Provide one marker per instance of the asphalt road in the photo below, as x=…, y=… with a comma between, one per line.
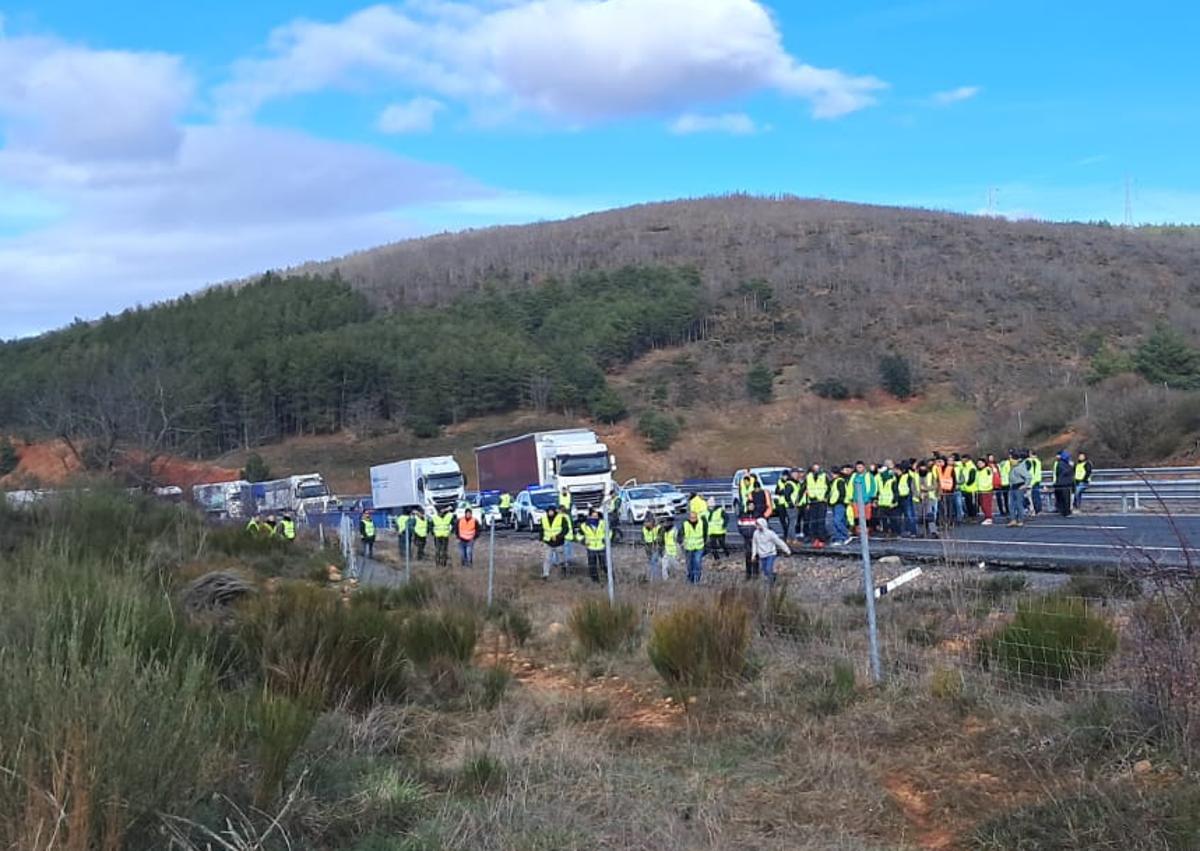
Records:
x=1049, y=541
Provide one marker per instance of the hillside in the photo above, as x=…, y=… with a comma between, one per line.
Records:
x=691, y=313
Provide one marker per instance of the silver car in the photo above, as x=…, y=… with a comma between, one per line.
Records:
x=637, y=502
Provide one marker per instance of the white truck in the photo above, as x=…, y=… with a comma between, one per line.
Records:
x=574, y=459
x=225, y=499
x=428, y=483
x=303, y=494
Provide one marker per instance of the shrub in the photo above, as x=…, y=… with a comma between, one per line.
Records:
x=1165, y=357
x=495, y=683
x=601, y=627
x=588, y=708
x=513, y=622
x=303, y=643
x=415, y=594
x=280, y=725
x=760, y=384
x=1051, y=640
x=701, y=644
x=947, y=684
x=607, y=406
x=447, y=634
x=1109, y=585
x=256, y=469
x=8, y=456
x=482, y=773
x=422, y=426
x=831, y=388
x=659, y=430
x=782, y=615
x=896, y=376
x=830, y=691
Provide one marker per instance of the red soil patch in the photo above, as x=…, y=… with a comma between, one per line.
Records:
x=51, y=463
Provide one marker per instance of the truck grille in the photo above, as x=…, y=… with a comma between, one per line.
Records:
x=441, y=504
x=586, y=500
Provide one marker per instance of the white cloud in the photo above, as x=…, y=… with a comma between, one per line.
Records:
x=958, y=95
x=414, y=116
x=733, y=123
x=87, y=104
x=569, y=60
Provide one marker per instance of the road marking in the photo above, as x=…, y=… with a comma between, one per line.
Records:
x=1131, y=547
x=1074, y=526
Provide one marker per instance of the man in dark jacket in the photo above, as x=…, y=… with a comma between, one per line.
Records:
x=1064, y=483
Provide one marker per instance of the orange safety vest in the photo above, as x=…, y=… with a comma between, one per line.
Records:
x=946, y=477
x=467, y=528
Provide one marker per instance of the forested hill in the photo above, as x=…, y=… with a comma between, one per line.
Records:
x=290, y=356
x=890, y=257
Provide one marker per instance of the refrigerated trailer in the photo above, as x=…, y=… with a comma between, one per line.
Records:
x=432, y=484
x=570, y=458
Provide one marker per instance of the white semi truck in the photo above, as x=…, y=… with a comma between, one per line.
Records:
x=430, y=483
x=574, y=459
x=303, y=494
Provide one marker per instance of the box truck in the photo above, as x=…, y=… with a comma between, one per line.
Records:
x=431, y=483
x=302, y=494
x=574, y=459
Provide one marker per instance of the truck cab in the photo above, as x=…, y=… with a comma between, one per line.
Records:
x=310, y=495
x=586, y=472
x=440, y=484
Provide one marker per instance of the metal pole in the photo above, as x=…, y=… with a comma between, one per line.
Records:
x=608, y=566
x=408, y=549
x=868, y=581
x=491, y=562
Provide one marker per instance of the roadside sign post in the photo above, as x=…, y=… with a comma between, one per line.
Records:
x=407, y=551
x=608, y=565
x=868, y=582
x=491, y=562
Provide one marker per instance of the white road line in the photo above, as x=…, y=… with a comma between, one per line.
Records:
x=1131, y=547
x=1074, y=526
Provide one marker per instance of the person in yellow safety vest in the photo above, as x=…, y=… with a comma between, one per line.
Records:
x=841, y=500
x=1034, y=465
x=1083, y=477
x=670, y=549
x=420, y=531
x=595, y=531
x=816, y=488
x=908, y=492
x=254, y=527
x=794, y=488
x=693, y=546
x=652, y=541
x=967, y=486
x=698, y=505
x=554, y=529
x=572, y=534
x=1003, y=469
x=366, y=532
x=716, y=531
x=888, y=499
x=404, y=533
x=506, y=503
x=443, y=526
x=984, y=488
x=930, y=498
x=288, y=526
x=745, y=488
x=272, y=526
x=564, y=501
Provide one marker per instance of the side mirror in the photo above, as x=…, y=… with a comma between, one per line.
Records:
x=612, y=461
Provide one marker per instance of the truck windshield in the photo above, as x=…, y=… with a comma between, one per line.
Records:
x=314, y=490
x=583, y=465
x=444, y=481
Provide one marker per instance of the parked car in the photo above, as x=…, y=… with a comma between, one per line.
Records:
x=530, y=507
x=677, y=497
x=637, y=502
x=485, y=510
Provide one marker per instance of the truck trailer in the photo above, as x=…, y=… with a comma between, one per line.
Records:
x=574, y=459
x=432, y=484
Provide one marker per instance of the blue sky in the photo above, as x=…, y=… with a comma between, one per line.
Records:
x=143, y=155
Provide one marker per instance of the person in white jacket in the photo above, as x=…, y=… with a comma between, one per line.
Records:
x=767, y=546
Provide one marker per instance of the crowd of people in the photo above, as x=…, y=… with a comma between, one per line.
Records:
x=268, y=526
x=812, y=506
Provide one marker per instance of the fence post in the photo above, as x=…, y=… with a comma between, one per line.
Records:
x=346, y=534
x=608, y=565
x=868, y=581
x=408, y=550
x=491, y=561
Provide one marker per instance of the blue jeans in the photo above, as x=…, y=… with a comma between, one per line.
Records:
x=908, y=512
x=695, y=560
x=554, y=555
x=960, y=506
x=1036, y=493
x=768, y=568
x=466, y=550
x=654, y=565
x=841, y=529
x=1016, y=505
x=1080, y=487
